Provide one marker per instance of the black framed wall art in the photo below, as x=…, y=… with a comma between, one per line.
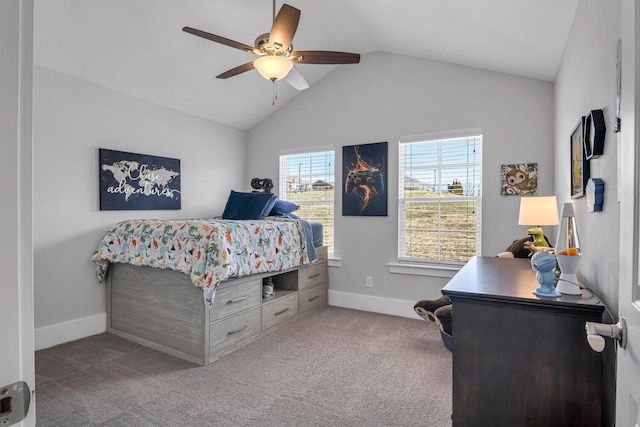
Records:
x=364, y=179
x=579, y=162
x=131, y=181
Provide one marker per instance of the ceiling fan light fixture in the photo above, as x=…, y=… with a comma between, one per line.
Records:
x=276, y=57
x=273, y=67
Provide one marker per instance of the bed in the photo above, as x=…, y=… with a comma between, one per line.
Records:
x=193, y=288
x=209, y=251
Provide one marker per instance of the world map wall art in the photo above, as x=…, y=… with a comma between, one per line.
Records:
x=130, y=181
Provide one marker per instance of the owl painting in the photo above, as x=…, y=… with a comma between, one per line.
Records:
x=519, y=179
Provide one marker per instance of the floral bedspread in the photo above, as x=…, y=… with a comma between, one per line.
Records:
x=208, y=250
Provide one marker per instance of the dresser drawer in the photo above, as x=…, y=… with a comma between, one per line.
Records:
x=311, y=275
x=312, y=297
x=233, y=298
x=279, y=310
x=231, y=330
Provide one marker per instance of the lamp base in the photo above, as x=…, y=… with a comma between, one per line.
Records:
x=568, y=284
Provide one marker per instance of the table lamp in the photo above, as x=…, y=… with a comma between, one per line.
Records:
x=538, y=211
x=568, y=253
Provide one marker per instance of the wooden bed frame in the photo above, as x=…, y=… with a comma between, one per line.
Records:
x=162, y=309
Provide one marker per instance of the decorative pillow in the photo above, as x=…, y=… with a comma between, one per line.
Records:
x=282, y=207
x=248, y=205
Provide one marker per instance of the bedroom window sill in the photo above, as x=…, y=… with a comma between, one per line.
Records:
x=335, y=262
x=423, y=269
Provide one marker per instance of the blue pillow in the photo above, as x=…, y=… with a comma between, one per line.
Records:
x=248, y=205
x=282, y=207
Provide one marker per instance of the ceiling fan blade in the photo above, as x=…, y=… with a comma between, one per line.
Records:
x=284, y=27
x=235, y=71
x=324, y=57
x=221, y=40
x=295, y=79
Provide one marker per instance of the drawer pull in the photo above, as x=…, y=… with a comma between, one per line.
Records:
x=312, y=298
x=231, y=301
x=282, y=311
x=314, y=275
x=238, y=330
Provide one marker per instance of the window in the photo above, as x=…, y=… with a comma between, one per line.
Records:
x=308, y=180
x=439, y=205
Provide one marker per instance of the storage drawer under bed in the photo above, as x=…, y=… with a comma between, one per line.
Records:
x=279, y=310
x=312, y=297
x=234, y=329
x=234, y=296
x=311, y=275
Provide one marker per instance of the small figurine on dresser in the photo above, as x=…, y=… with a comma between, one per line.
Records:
x=544, y=263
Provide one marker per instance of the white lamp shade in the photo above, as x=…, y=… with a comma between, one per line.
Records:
x=539, y=211
x=273, y=67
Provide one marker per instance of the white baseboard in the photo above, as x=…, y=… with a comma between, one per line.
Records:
x=394, y=307
x=48, y=336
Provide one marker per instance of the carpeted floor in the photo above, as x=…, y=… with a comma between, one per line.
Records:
x=337, y=368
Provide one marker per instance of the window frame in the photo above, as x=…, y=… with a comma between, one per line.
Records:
x=402, y=201
x=283, y=187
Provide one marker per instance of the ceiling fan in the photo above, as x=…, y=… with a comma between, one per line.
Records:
x=277, y=57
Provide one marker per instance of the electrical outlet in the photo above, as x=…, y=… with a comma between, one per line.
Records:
x=368, y=282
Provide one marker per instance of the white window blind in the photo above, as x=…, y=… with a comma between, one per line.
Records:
x=308, y=180
x=439, y=204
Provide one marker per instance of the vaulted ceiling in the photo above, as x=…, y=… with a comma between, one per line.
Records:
x=137, y=46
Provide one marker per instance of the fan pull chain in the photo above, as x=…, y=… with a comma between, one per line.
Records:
x=275, y=94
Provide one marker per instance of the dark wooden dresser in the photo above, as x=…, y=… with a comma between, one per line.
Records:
x=519, y=359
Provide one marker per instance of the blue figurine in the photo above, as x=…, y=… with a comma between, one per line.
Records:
x=544, y=263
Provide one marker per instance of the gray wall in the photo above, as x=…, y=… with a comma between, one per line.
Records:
x=72, y=119
x=586, y=80
x=388, y=96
